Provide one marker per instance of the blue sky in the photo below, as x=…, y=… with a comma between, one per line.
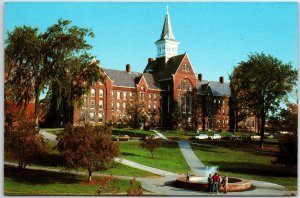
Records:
x=216, y=36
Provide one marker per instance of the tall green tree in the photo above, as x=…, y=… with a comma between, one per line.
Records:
x=24, y=72
x=69, y=67
x=263, y=81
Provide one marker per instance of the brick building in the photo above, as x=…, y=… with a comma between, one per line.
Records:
x=166, y=82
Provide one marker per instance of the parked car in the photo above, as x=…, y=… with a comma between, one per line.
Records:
x=232, y=137
x=255, y=137
x=201, y=137
x=215, y=137
x=122, y=138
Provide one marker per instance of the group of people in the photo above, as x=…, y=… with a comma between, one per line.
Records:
x=215, y=181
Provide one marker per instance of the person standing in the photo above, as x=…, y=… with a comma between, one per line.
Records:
x=225, y=185
x=209, y=181
x=216, y=179
x=187, y=176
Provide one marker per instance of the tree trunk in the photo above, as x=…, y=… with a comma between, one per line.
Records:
x=90, y=174
x=152, y=155
x=262, y=130
x=36, y=112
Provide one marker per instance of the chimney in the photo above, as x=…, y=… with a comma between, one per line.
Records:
x=150, y=60
x=221, y=79
x=200, y=77
x=128, y=68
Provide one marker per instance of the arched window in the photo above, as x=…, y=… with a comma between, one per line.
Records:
x=92, y=92
x=100, y=92
x=100, y=104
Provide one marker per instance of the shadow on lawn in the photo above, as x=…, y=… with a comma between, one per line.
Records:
x=128, y=154
x=257, y=169
x=40, y=176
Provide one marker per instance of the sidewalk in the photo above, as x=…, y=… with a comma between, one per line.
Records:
x=193, y=161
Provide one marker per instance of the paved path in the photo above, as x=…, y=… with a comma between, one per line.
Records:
x=197, y=167
x=49, y=136
x=160, y=135
x=145, y=168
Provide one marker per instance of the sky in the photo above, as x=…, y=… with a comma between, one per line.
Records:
x=216, y=36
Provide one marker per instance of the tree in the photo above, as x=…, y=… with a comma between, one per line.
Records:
x=69, y=67
x=263, y=81
x=87, y=147
x=24, y=144
x=24, y=76
x=134, y=110
x=151, y=143
x=56, y=62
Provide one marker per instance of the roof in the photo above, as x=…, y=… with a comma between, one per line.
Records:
x=217, y=88
x=162, y=70
x=167, y=33
x=150, y=81
x=130, y=79
x=122, y=78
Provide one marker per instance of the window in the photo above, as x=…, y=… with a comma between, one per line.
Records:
x=186, y=68
x=112, y=105
x=149, y=107
x=154, y=97
x=130, y=95
x=154, y=106
x=149, y=97
x=101, y=93
x=124, y=95
x=92, y=92
x=100, y=117
x=118, y=95
x=118, y=106
x=100, y=104
x=112, y=94
x=184, y=84
x=84, y=103
x=83, y=116
x=179, y=86
x=142, y=96
x=92, y=105
x=118, y=118
x=190, y=106
x=124, y=106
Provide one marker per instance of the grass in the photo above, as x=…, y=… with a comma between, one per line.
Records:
x=35, y=182
x=244, y=159
x=132, y=132
x=167, y=157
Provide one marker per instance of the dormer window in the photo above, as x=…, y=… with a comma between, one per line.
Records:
x=185, y=68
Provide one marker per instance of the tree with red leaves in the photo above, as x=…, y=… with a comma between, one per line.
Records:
x=88, y=147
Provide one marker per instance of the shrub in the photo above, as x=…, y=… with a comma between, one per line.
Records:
x=287, y=150
x=134, y=189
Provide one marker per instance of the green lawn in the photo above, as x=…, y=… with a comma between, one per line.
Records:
x=33, y=182
x=167, y=157
x=244, y=159
x=132, y=132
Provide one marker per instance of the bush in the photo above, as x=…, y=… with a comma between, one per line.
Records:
x=134, y=189
x=287, y=150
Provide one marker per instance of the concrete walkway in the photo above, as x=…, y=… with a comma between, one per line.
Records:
x=48, y=136
x=197, y=167
x=145, y=168
x=160, y=135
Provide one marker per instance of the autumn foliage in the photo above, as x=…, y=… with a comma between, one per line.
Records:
x=24, y=144
x=135, y=189
x=89, y=147
x=106, y=186
x=151, y=143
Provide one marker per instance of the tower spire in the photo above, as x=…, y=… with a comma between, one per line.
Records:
x=167, y=10
x=167, y=45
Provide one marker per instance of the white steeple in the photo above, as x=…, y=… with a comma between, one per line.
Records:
x=167, y=46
